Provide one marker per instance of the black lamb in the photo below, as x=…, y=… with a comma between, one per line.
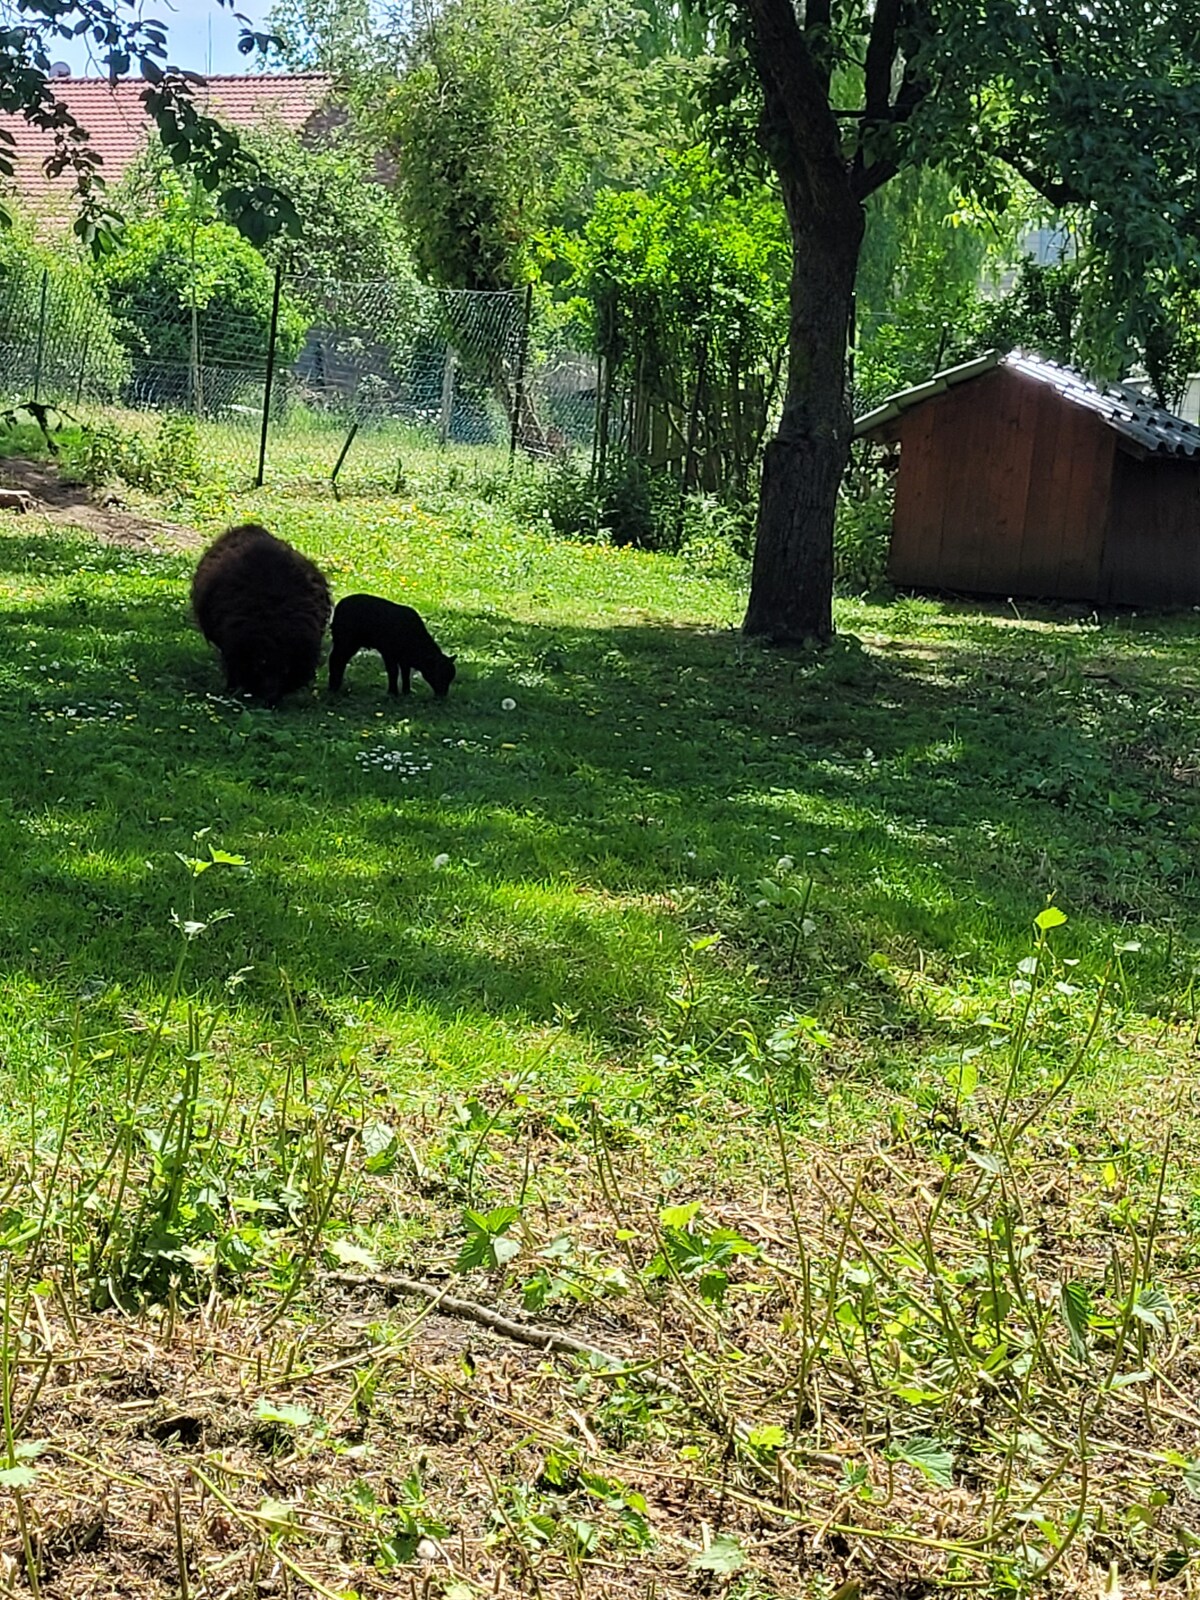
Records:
x=265, y=607
x=367, y=622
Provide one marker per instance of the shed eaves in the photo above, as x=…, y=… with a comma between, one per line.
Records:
x=118, y=124
x=1143, y=426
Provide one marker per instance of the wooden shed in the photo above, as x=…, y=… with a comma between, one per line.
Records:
x=1019, y=477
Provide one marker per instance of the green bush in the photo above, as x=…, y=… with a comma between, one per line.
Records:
x=633, y=505
x=164, y=461
x=183, y=285
x=863, y=529
x=80, y=351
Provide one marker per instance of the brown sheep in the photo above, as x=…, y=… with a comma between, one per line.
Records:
x=265, y=607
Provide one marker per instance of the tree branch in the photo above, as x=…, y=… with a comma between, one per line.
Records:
x=1056, y=190
x=818, y=29
x=869, y=176
x=881, y=54
x=797, y=99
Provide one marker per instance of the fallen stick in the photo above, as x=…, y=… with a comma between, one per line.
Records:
x=548, y=1339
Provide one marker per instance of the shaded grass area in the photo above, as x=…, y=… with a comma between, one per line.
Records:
x=704, y=979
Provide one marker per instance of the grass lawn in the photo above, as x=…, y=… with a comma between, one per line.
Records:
x=654, y=988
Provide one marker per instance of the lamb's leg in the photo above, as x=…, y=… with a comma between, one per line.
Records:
x=406, y=673
x=393, y=672
x=337, y=666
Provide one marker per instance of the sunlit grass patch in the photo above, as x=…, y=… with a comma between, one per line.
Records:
x=683, y=994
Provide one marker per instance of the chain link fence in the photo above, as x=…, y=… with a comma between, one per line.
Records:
x=325, y=380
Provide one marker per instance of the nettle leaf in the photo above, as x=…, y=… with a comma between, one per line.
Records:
x=985, y=1159
x=713, y=1285
x=382, y=1146
x=1075, y=1305
x=277, y=1514
x=485, y=1245
x=679, y=1216
x=771, y=1437
x=293, y=1416
x=17, y=1477
x=1051, y=917
x=1191, y=1478
x=724, y=1555
x=1153, y=1307
x=928, y=1455
x=352, y=1255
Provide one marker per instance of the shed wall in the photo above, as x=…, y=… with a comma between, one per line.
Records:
x=1003, y=488
x=1152, y=556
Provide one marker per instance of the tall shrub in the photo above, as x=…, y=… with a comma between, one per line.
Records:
x=81, y=352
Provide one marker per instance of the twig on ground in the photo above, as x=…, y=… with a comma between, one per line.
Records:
x=548, y=1339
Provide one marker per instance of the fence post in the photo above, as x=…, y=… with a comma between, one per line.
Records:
x=447, y=395
x=83, y=361
x=41, y=339
x=519, y=386
x=270, y=378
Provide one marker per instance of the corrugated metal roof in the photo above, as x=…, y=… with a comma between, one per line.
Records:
x=116, y=119
x=1146, y=427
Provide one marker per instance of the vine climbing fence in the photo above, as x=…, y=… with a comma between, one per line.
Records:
x=330, y=380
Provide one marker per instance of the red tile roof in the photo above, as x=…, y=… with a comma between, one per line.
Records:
x=118, y=124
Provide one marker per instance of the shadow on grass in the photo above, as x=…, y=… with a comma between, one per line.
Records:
x=563, y=851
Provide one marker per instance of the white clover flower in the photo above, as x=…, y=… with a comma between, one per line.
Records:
x=441, y=861
x=784, y=864
x=508, y=705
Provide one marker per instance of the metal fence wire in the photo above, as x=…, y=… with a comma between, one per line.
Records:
x=280, y=391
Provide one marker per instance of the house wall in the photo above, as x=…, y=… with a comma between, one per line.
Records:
x=1152, y=554
x=1003, y=488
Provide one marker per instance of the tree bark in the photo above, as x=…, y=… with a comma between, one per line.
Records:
x=791, y=587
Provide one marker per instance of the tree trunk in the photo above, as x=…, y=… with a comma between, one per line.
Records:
x=791, y=588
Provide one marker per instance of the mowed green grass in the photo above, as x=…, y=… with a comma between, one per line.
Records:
x=573, y=886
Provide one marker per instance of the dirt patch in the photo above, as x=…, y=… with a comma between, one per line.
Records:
x=98, y=512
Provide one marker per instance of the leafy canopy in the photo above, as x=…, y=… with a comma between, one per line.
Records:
x=123, y=40
x=508, y=116
x=182, y=267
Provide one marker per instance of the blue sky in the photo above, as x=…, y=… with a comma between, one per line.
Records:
x=202, y=36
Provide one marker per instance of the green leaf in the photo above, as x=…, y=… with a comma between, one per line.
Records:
x=1153, y=1307
x=17, y=1477
x=1051, y=917
x=679, y=1216
x=278, y=1513
x=293, y=1416
x=713, y=1285
x=771, y=1437
x=928, y=1455
x=1191, y=1479
x=352, y=1255
x=985, y=1159
x=724, y=1555
x=1075, y=1305
x=382, y=1146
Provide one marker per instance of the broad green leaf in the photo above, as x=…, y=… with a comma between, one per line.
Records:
x=928, y=1455
x=724, y=1555
x=278, y=1513
x=985, y=1159
x=17, y=1477
x=1153, y=1307
x=771, y=1437
x=352, y=1255
x=1051, y=917
x=293, y=1416
x=504, y=1250
x=1075, y=1305
x=679, y=1216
